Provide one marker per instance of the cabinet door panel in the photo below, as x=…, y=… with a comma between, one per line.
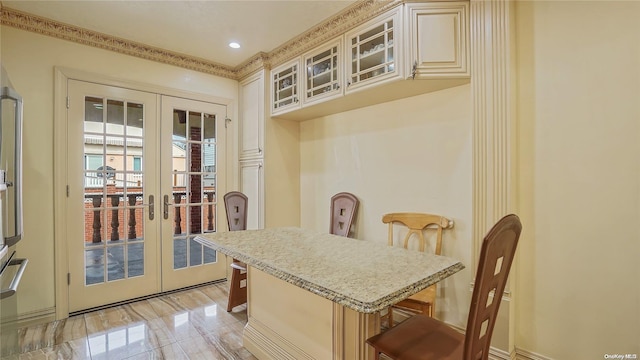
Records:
x=252, y=185
x=252, y=116
x=372, y=50
x=438, y=40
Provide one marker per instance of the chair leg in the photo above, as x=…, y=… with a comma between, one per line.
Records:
x=390, y=317
x=237, y=294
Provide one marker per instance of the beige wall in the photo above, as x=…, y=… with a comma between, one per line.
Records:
x=30, y=59
x=412, y=154
x=578, y=288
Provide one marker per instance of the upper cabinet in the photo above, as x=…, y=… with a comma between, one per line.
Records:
x=372, y=51
x=323, y=73
x=285, y=87
x=386, y=58
x=252, y=116
x=438, y=39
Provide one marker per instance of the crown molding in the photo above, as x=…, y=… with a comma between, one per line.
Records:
x=347, y=19
x=48, y=27
x=350, y=17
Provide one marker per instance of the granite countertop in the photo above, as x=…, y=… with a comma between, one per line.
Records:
x=362, y=275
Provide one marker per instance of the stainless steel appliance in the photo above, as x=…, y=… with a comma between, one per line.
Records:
x=11, y=267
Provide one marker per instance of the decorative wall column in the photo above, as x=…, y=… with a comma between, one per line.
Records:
x=494, y=148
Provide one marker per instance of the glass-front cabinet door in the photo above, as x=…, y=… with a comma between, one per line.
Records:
x=323, y=74
x=285, y=87
x=372, y=51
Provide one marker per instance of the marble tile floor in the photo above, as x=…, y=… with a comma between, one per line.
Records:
x=191, y=324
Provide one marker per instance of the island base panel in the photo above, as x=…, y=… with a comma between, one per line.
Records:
x=287, y=322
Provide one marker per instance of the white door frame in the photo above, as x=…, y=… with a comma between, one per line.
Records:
x=61, y=77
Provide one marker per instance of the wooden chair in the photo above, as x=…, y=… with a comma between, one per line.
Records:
x=344, y=206
x=424, y=338
x=424, y=301
x=235, y=204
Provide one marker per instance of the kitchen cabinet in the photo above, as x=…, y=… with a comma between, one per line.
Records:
x=285, y=87
x=438, y=39
x=251, y=146
x=251, y=126
x=252, y=185
x=323, y=73
x=373, y=51
x=411, y=49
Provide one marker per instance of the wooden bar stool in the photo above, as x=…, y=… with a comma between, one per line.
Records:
x=423, y=302
x=425, y=338
x=344, y=206
x=235, y=204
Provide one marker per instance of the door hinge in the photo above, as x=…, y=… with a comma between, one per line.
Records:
x=67, y=190
x=68, y=278
x=68, y=102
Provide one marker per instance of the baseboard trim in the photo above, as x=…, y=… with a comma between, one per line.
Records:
x=522, y=354
x=34, y=317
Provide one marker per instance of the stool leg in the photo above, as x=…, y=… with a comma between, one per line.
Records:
x=237, y=294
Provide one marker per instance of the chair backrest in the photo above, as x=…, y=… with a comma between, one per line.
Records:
x=235, y=204
x=496, y=256
x=416, y=223
x=344, y=206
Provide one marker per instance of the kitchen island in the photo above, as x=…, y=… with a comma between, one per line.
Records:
x=313, y=295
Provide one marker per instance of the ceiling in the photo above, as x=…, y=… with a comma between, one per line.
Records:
x=197, y=28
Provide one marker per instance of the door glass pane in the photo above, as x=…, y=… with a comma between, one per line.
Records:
x=135, y=264
x=113, y=186
x=194, y=185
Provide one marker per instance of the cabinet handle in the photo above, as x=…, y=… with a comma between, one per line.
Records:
x=259, y=150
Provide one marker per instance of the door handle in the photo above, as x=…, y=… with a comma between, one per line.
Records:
x=13, y=287
x=166, y=204
x=151, y=207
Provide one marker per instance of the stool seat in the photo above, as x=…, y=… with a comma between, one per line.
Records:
x=235, y=204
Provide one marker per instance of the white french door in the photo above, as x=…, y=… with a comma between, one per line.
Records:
x=192, y=178
x=143, y=174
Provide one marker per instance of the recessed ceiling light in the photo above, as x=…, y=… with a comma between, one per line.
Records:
x=234, y=45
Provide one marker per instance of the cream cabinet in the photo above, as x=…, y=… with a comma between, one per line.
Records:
x=438, y=39
x=251, y=136
x=373, y=51
x=251, y=128
x=252, y=185
x=323, y=73
x=375, y=62
x=285, y=87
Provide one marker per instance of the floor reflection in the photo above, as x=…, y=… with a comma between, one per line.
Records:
x=192, y=324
